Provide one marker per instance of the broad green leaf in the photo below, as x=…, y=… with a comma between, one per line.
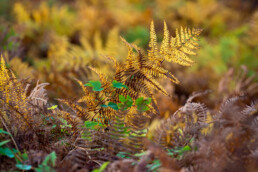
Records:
x=139, y=100
x=4, y=132
x=102, y=167
x=50, y=159
x=129, y=101
x=92, y=125
x=126, y=102
x=103, y=105
x=96, y=85
x=186, y=148
x=142, y=104
x=122, y=98
x=7, y=152
x=44, y=168
x=4, y=142
x=23, y=166
x=113, y=105
x=23, y=156
x=117, y=84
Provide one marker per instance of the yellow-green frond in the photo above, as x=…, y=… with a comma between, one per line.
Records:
x=130, y=57
x=182, y=46
x=153, y=51
x=165, y=42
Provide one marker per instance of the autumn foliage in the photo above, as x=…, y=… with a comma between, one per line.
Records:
x=112, y=86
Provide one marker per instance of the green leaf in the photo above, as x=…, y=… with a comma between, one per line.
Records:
x=126, y=102
x=117, y=84
x=140, y=154
x=186, y=148
x=139, y=100
x=44, y=168
x=123, y=155
x=7, y=152
x=102, y=167
x=103, y=105
x=4, y=142
x=23, y=166
x=50, y=159
x=142, y=104
x=113, y=105
x=96, y=85
x=154, y=166
x=23, y=156
x=148, y=101
x=92, y=125
x=4, y=132
x=52, y=107
x=122, y=98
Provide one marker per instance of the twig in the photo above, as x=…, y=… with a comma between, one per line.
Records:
x=2, y=120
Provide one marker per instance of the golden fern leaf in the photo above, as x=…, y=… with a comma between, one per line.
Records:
x=13, y=94
x=85, y=90
x=3, y=74
x=112, y=45
x=98, y=43
x=153, y=52
x=164, y=49
x=130, y=57
x=150, y=80
x=182, y=46
x=157, y=71
x=141, y=59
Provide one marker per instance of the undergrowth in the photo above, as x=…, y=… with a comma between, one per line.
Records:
x=115, y=123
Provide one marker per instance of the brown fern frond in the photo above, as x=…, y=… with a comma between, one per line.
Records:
x=184, y=125
x=38, y=96
x=231, y=142
x=81, y=112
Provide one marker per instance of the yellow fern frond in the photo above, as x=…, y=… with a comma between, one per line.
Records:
x=130, y=57
x=165, y=42
x=85, y=90
x=112, y=45
x=153, y=52
x=209, y=121
x=183, y=45
x=98, y=43
x=156, y=85
x=3, y=74
x=105, y=82
x=21, y=13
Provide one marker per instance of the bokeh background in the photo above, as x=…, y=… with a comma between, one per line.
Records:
x=55, y=41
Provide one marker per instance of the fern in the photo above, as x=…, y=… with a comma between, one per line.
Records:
x=138, y=74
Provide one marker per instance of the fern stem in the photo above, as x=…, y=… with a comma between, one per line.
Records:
x=2, y=120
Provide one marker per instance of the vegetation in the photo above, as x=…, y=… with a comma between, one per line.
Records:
x=85, y=86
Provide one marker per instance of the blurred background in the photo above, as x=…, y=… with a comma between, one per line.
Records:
x=55, y=40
